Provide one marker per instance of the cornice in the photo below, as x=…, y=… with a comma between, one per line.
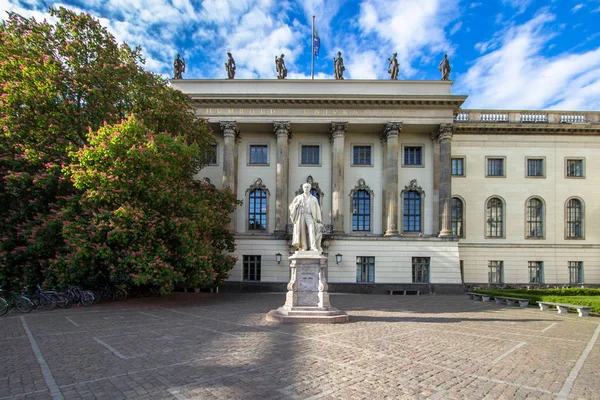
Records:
x=523, y=128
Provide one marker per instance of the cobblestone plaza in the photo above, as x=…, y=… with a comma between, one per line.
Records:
x=219, y=346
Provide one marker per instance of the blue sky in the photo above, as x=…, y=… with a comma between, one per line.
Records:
x=505, y=54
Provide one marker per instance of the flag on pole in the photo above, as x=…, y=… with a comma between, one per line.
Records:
x=316, y=43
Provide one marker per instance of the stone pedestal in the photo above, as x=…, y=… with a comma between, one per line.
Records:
x=307, y=299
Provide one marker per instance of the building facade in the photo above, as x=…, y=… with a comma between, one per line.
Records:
x=415, y=192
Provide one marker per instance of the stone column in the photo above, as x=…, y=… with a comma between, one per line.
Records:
x=283, y=134
x=230, y=135
x=435, y=198
x=391, y=133
x=445, y=139
x=384, y=186
x=337, y=134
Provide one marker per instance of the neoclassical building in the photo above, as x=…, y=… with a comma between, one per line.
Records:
x=415, y=191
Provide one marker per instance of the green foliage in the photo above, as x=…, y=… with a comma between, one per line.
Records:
x=59, y=82
x=578, y=296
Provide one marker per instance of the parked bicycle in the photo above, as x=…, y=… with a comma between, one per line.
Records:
x=77, y=295
x=10, y=299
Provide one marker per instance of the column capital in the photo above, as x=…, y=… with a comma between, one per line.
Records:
x=392, y=129
x=282, y=129
x=230, y=128
x=446, y=132
x=338, y=129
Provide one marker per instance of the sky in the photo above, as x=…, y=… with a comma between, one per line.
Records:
x=505, y=54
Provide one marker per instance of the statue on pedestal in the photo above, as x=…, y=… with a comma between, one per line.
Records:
x=444, y=68
x=338, y=66
x=178, y=67
x=280, y=67
x=393, y=67
x=230, y=67
x=305, y=213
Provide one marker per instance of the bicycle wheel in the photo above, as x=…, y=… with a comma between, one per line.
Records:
x=120, y=294
x=47, y=303
x=87, y=299
x=62, y=301
x=3, y=306
x=23, y=304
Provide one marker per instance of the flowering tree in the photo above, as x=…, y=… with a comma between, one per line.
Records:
x=66, y=89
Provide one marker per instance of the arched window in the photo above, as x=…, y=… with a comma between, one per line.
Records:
x=361, y=211
x=574, y=218
x=412, y=211
x=315, y=193
x=457, y=217
x=494, y=214
x=258, y=200
x=257, y=210
x=535, y=218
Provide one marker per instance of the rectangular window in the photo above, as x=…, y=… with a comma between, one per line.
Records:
x=365, y=269
x=252, y=268
x=495, y=271
x=310, y=155
x=361, y=155
x=458, y=167
x=211, y=155
x=535, y=167
x=495, y=166
x=413, y=155
x=536, y=272
x=574, y=168
x=575, y=271
x=259, y=154
x=420, y=269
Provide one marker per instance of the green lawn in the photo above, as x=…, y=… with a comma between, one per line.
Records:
x=582, y=297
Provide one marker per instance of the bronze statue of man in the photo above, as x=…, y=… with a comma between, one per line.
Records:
x=444, y=68
x=393, y=67
x=280, y=67
x=178, y=67
x=338, y=66
x=230, y=67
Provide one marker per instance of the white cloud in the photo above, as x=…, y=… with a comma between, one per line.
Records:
x=518, y=75
x=456, y=28
x=415, y=29
x=520, y=5
x=576, y=8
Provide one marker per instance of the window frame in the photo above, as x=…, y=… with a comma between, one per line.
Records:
x=464, y=166
x=579, y=267
x=300, y=161
x=581, y=222
x=567, y=159
x=369, y=208
x=543, y=161
x=420, y=209
x=413, y=145
x=537, y=267
x=541, y=222
x=268, y=154
x=256, y=262
x=371, y=156
x=502, y=215
x=503, y=158
x=421, y=269
x=462, y=219
x=216, y=159
x=365, y=269
x=498, y=265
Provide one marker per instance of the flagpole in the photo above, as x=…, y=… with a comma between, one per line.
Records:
x=312, y=53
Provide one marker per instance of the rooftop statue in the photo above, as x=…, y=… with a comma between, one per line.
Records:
x=305, y=213
x=338, y=66
x=393, y=67
x=444, y=68
x=178, y=67
x=230, y=67
x=280, y=67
